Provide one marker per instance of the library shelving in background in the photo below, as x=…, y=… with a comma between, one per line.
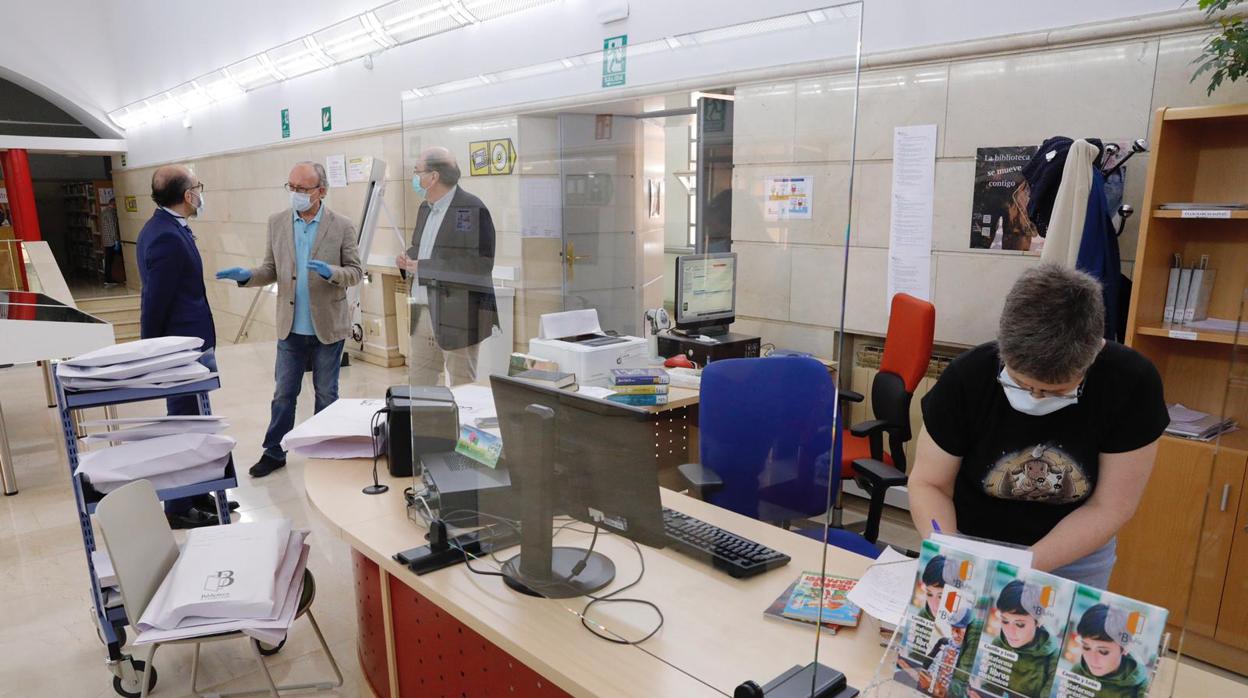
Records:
x=1187, y=546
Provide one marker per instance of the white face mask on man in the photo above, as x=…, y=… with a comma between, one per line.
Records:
x=300, y=201
x=1022, y=400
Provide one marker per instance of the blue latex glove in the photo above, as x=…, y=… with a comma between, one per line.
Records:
x=238, y=274
x=321, y=268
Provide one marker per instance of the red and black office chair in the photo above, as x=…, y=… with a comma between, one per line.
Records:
x=907, y=352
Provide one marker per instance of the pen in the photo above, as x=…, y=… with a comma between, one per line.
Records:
x=935, y=526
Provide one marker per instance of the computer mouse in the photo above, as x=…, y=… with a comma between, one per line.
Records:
x=678, y=361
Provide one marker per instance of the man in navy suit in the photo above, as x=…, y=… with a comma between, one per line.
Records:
x=174, y=302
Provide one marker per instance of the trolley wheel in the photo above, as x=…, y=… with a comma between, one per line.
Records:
x=267, y=651
x=134, y=688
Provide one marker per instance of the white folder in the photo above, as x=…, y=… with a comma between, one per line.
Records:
x=346, y=420
x=135, y=351
x=151, y=431
x=128, y=369
x=162, y=455
x=182, y=374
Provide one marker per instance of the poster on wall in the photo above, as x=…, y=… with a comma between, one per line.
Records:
x=336, y=170
x=910, y=219
x=359, y=168
x=788, y=198
x=999, y=208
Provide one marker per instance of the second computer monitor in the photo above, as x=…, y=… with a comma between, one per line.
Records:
x=706, y=292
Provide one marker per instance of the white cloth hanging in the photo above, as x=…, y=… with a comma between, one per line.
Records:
x=1070, y=208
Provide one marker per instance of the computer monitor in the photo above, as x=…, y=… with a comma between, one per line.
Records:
x=591, y=459
x=706, y=292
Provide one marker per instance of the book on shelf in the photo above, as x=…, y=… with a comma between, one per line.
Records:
x=638, y=400
x=1019, y=649
x=1180, y=298
x=1201, y=288
x=776, y=611
x=1172, y=287
x=552, y=379
x=656, y=389
x=829, y=591
x=639, y=376
x=1196, y=425
x=1111, y=646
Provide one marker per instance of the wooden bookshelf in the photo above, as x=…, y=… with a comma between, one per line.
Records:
x=1188, y=539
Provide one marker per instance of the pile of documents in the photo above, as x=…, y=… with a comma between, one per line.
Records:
x=167, y=451
x=342, y=430
x=160, y=362
x=244, y=577
x=1196, y=425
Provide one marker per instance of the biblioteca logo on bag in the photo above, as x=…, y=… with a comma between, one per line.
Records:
x=215, y=583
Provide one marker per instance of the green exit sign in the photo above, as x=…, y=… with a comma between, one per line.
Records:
x=285, y=123
x=614, y=60
x=327, y=119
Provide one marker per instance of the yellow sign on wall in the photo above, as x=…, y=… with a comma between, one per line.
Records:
x=132, y=204
x=494, y=157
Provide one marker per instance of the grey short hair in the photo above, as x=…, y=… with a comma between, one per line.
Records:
x=1052, y=324
x=441, y=161
x=322, y=178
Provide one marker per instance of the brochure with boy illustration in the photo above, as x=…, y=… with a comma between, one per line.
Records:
x=941, y=629
x=1022, y=638
x=1111, y=646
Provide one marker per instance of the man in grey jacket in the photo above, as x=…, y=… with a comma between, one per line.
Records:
x=313, y=258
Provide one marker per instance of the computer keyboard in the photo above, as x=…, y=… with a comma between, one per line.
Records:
x=727, y=552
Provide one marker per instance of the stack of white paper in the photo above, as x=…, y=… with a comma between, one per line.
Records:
x=176, y=460
x=342, y=430
x=144, y=429
x=243, y=577
x=160, y=362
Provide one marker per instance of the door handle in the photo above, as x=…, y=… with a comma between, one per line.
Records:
x=1226, y=493
x=571, y=259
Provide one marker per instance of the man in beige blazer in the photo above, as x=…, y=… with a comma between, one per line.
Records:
x=313, y=258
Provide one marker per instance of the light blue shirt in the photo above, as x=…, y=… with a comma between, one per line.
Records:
x=305, y=236
x=437, y=212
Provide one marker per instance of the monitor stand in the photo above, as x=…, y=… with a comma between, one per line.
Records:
x=541, y=569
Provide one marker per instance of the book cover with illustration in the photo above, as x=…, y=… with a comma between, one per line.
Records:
x=1022, y=636
x=776, y=611
x=1111, y=646
x=813, y=588
x=941, y=629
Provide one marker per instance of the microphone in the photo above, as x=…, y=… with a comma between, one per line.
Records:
x=376, y=487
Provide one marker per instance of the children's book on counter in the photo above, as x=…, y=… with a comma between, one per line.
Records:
x=552, y=379
x=1111, y=646
x=813, y=589
x=520, y=362
x=655, y=389
x=639, y=376
x=776, y=610
x=638, y=400
x=941, y=630
x=1022, y=638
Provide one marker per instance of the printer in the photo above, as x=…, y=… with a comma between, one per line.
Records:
x=574, y=339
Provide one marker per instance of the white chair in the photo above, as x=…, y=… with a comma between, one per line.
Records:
x=142, y=549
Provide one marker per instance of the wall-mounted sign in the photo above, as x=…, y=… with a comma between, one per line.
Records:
x=327, y=119
x=359, y=168
x=603, y=124
x=788, y=198
x=132, y=204
x=494, y=157
x=336, y=170
x=999, y=218
x=614, y=60
x=285, y=123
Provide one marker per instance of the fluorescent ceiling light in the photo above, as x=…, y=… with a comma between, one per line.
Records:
x=485, y=10
x=219, y=86
x=347, y=40
x=294, y=59
x=749, y=29
x=408, y=20
x=166, y=105
x=251, y=73
x=191, y=95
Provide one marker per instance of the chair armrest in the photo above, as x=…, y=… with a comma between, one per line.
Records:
x=869, y=427
x=880, y=475
x=850, y=396
x=700, y=477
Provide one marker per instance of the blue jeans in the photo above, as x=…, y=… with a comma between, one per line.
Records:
x=292, y=358
x=1094, y=568
x=184, y=405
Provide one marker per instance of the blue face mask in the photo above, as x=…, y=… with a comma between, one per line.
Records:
x=416, y=186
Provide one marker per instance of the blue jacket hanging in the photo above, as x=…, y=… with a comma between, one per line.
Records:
x=1098, y=252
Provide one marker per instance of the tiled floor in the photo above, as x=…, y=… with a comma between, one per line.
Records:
x=48, y=644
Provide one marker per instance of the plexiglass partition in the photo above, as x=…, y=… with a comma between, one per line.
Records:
x=623, y=319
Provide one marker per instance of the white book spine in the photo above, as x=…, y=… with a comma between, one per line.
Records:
x=1180, y=299
x=1172, y=291
x=1200, y=310
x=1193, y=293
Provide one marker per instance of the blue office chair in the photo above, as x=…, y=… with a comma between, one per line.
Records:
x=767, y=442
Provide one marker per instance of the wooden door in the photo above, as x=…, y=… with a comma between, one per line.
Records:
x=1216, y=538
x=1157, y=548
x=1233, y=614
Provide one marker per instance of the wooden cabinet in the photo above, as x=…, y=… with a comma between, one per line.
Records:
x=1187, y=547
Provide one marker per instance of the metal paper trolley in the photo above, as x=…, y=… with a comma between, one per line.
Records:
x=128, y=673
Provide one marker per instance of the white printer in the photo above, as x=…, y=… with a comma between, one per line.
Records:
x=575, y=340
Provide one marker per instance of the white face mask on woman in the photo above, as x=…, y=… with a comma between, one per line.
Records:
x=1023, y=401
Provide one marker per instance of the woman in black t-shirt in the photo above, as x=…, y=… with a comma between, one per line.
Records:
x=1045, y=437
